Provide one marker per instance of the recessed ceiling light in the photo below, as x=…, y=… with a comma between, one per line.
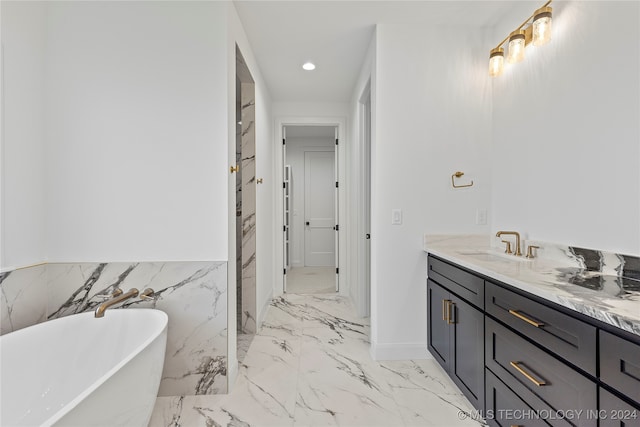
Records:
x=309, y=66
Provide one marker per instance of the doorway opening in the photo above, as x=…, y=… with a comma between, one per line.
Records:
x=245, y=231
x=310, y=208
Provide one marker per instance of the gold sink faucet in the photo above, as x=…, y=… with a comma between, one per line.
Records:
x=131, y=293
x=514, y=233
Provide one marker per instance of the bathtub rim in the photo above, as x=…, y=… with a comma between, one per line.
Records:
x=55, y=417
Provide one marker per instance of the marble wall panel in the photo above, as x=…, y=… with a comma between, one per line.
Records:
x=248, y=325
x=193, y=294
x=23, y=298
x=595, y=260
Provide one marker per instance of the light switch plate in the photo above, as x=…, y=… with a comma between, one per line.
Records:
x=481, y=216
x=396, y=216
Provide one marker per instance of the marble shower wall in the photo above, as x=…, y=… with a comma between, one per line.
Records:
x=193, y=294
x=248, y=168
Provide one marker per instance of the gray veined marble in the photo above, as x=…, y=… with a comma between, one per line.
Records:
x=248, y=211
x=23, y=298
x=309, y=365
x=598, y=284
x=193, y=294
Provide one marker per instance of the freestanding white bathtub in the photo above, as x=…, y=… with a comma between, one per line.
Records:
x=83, y=371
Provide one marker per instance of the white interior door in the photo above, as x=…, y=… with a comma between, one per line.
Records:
x=336, y=201
x=366, y=195
x=320, y=209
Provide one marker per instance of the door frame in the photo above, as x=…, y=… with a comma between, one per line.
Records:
x=340, y=124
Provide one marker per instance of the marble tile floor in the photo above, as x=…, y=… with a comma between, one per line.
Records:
x=309, y=365
x=311, y=280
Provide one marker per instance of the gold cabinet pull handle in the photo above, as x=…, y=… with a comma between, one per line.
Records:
x=259, y=180
x=444, y=309
x=235, y=168
x=526, y=319
x=527, y=375
x=451, y=319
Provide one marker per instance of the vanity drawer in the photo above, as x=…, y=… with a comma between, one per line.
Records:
x=538, y=378
x=620, y=364
x=504, y=407
x=615, y=412
x=561, y=334
x=457, y=280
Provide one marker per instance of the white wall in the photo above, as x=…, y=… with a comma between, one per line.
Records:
x=310, y=109
x=432, y=118
x=136, y=124
x=296, y=148
x=566, y=131
x=23, y=132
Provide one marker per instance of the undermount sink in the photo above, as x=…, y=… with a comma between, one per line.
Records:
x=494, y=256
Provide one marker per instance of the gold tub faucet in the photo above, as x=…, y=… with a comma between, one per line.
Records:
x=131, y=293
x=514, y=233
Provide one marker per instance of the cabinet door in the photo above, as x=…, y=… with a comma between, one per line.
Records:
x=505, y=408
x=439, y=332
x=467, y=367
x=620, y=364
x=614, y=412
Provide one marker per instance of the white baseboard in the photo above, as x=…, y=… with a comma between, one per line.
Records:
x=401, y=351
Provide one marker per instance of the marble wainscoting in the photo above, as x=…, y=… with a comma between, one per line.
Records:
x=23, y=298
x=193, y=294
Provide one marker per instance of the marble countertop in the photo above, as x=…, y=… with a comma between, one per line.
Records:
x=559, y=278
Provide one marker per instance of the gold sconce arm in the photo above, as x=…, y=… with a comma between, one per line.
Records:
x=458, y=175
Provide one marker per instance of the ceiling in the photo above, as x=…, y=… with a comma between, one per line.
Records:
x=335, y=36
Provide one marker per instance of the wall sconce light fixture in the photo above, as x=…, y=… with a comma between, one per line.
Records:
x=536, y=29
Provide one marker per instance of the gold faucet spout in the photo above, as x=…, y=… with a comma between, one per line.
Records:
x=131, y=293
x=518, y=252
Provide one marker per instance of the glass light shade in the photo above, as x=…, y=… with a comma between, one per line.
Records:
x=542, y=26
x=516, y=47
x=496, y=62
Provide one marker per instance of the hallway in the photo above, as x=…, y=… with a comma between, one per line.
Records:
x=309, y=365
x=311, y=280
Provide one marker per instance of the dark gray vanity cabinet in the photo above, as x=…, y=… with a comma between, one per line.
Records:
x=456, y=329
x=529, y=361
x=615, y=412
x=557, y=332
x=545, y=383
x=620, y=365
x=505, y=408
